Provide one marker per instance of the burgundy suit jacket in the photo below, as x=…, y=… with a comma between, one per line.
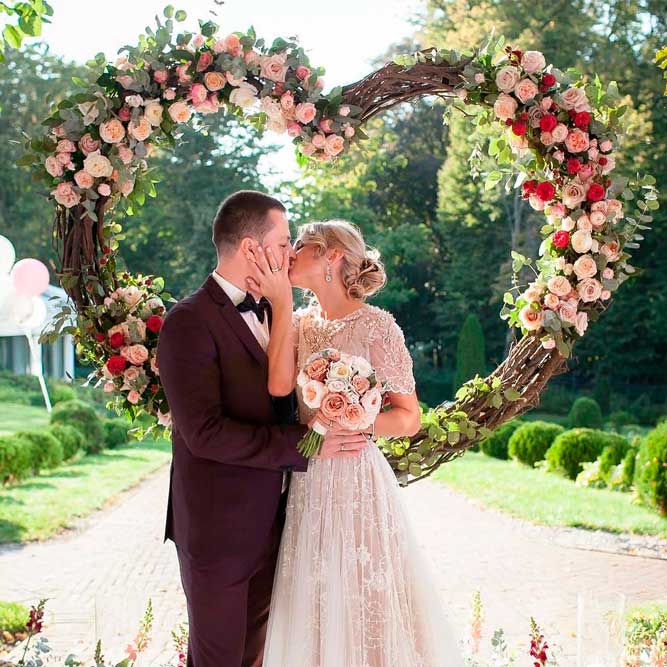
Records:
x=229, y=448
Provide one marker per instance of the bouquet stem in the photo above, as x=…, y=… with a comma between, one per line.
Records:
x=311, y=443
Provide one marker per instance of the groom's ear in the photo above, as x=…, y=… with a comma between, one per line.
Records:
x=248, y=248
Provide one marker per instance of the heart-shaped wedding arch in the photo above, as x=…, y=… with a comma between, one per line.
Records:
x=557, y=137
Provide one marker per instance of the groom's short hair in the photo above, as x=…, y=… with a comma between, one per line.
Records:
x=243, y=214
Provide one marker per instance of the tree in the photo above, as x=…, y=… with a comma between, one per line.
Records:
x=470, y=352
x=25, y=20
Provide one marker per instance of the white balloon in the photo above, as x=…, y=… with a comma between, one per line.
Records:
x=7, y=254
x=6, y=291
x=37, y=317
x=20, y=309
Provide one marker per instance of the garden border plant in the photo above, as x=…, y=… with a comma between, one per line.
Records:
x=557, y=137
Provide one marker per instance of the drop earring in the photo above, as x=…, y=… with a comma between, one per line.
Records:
x=327, y=276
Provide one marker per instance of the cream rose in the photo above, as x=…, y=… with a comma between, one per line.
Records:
x=97, y=165
x=525, y=90
x=585, y=267
x=507, y=78
x=243, y=96
x=112, y=131
x=581, y=241
x=573, y=194
x=274, y=67
x=589, y=290
x=312, y=393
x=611, y=250
x=339, y=371
x=141, y=129
x=559, y=133
x=581, y=323
x=505, y=106
x=533, y=61
x=531, y=319
x=54, y=167
x=574, y=97
x=83, y=179
x=559, y=285
x=125, y=154
x=180, y=112
x=277, y=125
x=584, y=223
x=153, y=112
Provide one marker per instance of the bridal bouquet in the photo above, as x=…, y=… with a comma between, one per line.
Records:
x=345, y=391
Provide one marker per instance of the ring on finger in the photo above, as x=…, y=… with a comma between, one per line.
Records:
x=275, y=270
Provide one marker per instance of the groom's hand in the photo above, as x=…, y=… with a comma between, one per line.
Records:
x=340, y=444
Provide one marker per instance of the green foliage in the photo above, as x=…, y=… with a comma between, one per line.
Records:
x=46, y=450
x=620, y=418
x=651, y=469
x=24, y=19
x=556, y=399
x=585, y=413
x=61, y=393
x=530, y=442
x=116, y=432
x=15, y=459
x=496, y=445
x=470, y=352
x=613, y=453
x=71, y=439
x=83, y=417
x=628, y=470
x=13, y=617
x=571, y=449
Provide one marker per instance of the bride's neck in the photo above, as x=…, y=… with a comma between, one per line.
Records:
x=335, y=302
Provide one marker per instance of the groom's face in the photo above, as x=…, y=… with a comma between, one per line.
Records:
x=278, y=237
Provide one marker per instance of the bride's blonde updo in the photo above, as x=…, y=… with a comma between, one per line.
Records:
x=361, y=269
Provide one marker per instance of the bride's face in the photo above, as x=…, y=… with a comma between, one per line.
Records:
x=308, y=268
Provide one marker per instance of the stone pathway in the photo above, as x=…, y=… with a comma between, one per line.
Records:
x=99, y=577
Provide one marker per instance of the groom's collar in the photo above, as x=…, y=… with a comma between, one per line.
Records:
x=235, y=294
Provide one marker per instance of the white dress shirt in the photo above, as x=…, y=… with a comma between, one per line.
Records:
x=259, y=329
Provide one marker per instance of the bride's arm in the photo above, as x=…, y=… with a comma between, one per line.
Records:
x=276, y=287
x=403, y=418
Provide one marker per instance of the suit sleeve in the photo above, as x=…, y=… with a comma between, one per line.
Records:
x=190, y=374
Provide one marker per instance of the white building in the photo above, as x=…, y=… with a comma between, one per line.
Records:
x=57, y=358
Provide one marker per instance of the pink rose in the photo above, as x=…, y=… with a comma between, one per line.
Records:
x=573, y=194
x=333, y=406
x=606, y=146
x=214, y=80
x=112, y=131
x=205, y=60
x=567, y=224
x=577, y=141
x=606, y=295
x=302, y=72
x=182, y=73
x=551, y=301
x=334, y=144
x=104, y=189
x=169, y=94
x=549, y=344
x=611, y=250
x=140, y=129
x=319, y=140
x=160, y=76
x=559, y=133
x=198, y=94
x=533, y=61
x=63, y=159
x=574, y=97
x=109, y=387
x=608, y=273
x=307, y=148
x=164, y=419
x=531, y=319
x=65, y=195
x=318, y=369
x=559, y=285
x=585, y=267
x=274, y=67
x=349, y=132
x=135, y=354
x=287, y=100
x=611, y=164
x=507, y=78
x=133, y=397
x=559, y=156
x=180, y=112
x=568, y=311
x=125, y=154
x=233, y=45
x=584, y=224
x=361, y=384
x=198, y=41
x=525, y=90
x=54, y=167
x=535, y=114
x=83, y=179
x=505, y=106
x=582, y=323
x=125, y=80
x=88, y=145
x=293, y=129
x=305, y=112
x=353, y=417
x=557, y=210
x=251, y=58
x=65, y=146
x=589, y=290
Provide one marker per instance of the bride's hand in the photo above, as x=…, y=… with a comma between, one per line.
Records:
x=271, y=277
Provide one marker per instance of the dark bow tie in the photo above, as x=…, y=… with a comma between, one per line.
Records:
x=259, y=308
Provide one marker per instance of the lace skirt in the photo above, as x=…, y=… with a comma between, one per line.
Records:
x=351, y=588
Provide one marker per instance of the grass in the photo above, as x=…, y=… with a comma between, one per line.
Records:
x=547, y=499
x=44, y=505
x=16, y=417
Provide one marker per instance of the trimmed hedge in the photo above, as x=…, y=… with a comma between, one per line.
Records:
x=613, y=453
x=15, y=459
x=13, y=617
x=70, y=438
x=116, y=432
x=46, y=450
x=585, y=413
x=83, y=417
x=629, y=464
x=530, y=442
x=577, y=446
x=496, y=444
x=651, y=469
x=621, y=418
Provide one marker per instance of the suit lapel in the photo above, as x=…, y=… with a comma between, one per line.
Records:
x=234, y=320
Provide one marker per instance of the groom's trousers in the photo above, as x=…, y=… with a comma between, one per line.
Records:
x=228, y=619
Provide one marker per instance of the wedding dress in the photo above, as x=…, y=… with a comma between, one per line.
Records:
x=351, y=588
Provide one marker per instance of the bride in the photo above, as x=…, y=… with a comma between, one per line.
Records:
x=351, y=589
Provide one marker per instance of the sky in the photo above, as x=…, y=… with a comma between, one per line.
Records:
x=342, y=36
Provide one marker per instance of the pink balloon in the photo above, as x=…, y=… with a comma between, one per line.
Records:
x=30, y=277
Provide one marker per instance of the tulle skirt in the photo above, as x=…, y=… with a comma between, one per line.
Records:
x=351, y=587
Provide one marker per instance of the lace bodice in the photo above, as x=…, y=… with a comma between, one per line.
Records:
x=369, y=332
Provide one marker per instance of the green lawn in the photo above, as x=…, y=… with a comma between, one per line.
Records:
x=49, y=502
x=547, y=498
x=14, y=417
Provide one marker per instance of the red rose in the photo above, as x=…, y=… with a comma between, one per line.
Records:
x=573, y=165
x=124, y=113
x=517, y=54
x=582, y=120
x=603, y=161
x=529, y=188
x=549, y=80
x=548, y=122
x=545, y=191
x=519, y=128
x=100, y=337
x=595, y=192
x=117, y=339
x=116, y=364
x=154, y=323
x=561, y=239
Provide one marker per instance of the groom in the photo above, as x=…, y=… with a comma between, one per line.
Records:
x=233, y=444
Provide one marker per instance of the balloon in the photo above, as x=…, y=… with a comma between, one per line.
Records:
x=38, y=315
x=7, y=254
x=20, y=308
x=6, y=290
x=30, y=277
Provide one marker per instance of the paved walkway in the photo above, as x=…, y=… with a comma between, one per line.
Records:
x=99, y=577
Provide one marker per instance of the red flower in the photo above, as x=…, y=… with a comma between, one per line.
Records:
x=100, y=337
x=117, y=339
x=595, y=192
x=517, y=54
x=603, y=161
x=548, y=122
x=561, y=239
x=124, y=113
x=519, y=127
x=549, y=80
x=545, y=191
x=116, y=364
x=154, y=323
x=529, y=188
x=573, y=165
x=582, y=120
